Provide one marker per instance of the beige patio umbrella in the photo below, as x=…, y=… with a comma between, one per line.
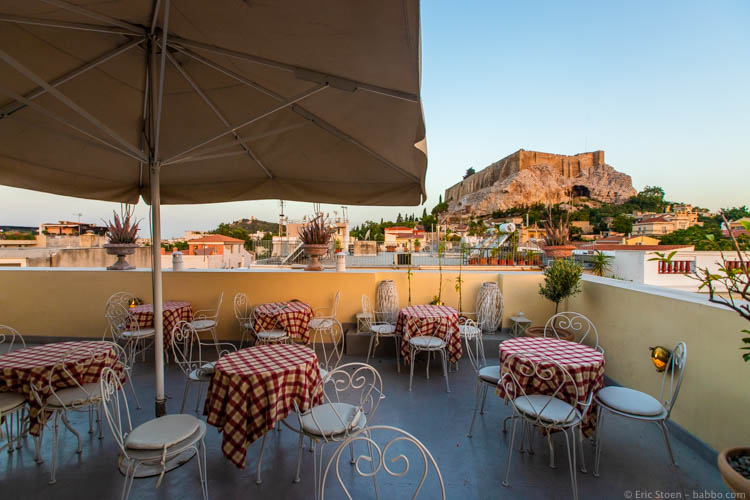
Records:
x=298, y=100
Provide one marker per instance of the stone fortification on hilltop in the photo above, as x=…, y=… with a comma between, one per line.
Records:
x=529, y=177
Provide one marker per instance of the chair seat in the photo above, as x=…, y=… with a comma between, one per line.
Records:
x=203, y=324
x=327, y=422
x=205, y=372
x=10, y=401
x=555, y=411
x=490, y=374
x=469, y=331
x=630, y=401
x=164, y=431
x=320, y=323
x=138, y=334
x=72, y=396
x=427, y=342
x=248, y=325
x=271, y=334
x=386, y=329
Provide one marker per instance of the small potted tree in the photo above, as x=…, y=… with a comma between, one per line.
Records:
x=562, y=279
x=482, y=259
x=315, y=237
x=493, y=256
x=417, y=245
x=557, y=235
x=122, y=232
x=438, y=299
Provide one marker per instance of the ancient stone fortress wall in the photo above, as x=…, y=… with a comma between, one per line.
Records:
x=566, y=165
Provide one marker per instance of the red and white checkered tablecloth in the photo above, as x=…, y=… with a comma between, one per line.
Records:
x=84, y=360
x=174, y=312
x=293, y=318
x=446, y=329
x=585, y=365
x=254, y=388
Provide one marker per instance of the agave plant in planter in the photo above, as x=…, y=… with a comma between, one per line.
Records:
x=557, y=235
x=315, y=237
x=122, y=232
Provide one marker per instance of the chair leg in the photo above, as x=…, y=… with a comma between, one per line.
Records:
x=485, y=388
x=258, y=480
x=203, y=469
x=38, y=448
x=129, y=476
x=571, y=447
x=445, y=370
x=397, y=340
x=99, y=420
x=372, y=464
x=91, y=419
x=55, y=438
x=510, y=453
x=429, y=358
x=476, y=404
x=598, y=440
x=369, y=348
x=71, y=429
x=580, y=447
x=184, y=396
x=200, y=396
x=552, y=464
x=665, y=432
x=411, y=367
x=132, y=388
x=299, y=456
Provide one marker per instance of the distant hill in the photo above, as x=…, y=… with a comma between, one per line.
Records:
x=251, y=226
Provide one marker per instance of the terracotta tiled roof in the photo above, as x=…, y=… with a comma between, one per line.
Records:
x=215, y=238
x=657, y=218
x=397, y=228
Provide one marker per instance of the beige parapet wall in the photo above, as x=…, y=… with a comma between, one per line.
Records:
x=713, y=403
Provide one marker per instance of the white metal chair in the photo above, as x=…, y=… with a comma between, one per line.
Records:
x=560, y=324
x=351, y=395
x=153, y=443
x=487, y=378
x=328, y=345
x=12, y=404
x=378, y=330
x=427, y=342
x=400, y=447
x=187, y=350
x=207, y=320
x=323, y=321
x=76, y=396
x=123, y=328
x=470, y=330
x=548, y=412
x=641, y=406
x=243, y=313
x=273, y=332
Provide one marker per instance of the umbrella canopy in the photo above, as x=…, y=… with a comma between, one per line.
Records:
x=200, y=102
x=309, y=101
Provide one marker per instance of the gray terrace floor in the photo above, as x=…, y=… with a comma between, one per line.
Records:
x=634, y=458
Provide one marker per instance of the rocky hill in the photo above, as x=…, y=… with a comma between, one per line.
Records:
x=529, y=177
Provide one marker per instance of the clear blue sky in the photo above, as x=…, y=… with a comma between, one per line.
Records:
x=663, y=87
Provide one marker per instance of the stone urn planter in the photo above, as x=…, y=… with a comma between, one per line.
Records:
x=314, y=251
x=559, y=251
x=121, y=250
x=740, y=457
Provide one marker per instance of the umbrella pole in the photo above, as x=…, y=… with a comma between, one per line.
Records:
x=161, y=402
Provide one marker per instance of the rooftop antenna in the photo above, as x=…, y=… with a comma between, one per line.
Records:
x=281, y=218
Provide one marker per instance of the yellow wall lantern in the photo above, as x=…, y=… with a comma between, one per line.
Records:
x=660, y=357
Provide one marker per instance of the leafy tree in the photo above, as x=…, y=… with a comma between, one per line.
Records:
x=469, y=172
x=622, y=224
x=399, y=219
x=562, y=279
x=735, y=213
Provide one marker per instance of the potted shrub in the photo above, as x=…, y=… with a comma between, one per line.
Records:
x=417, y=244
x=557, y=236
x=600, y=263
x=493, y=256
x=729, y=286
x=315, y=237
x=562, y=279
x=530, y=257
x=482, y=259
x=122, y=231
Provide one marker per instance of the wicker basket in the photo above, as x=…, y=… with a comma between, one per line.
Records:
x=538, y=331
